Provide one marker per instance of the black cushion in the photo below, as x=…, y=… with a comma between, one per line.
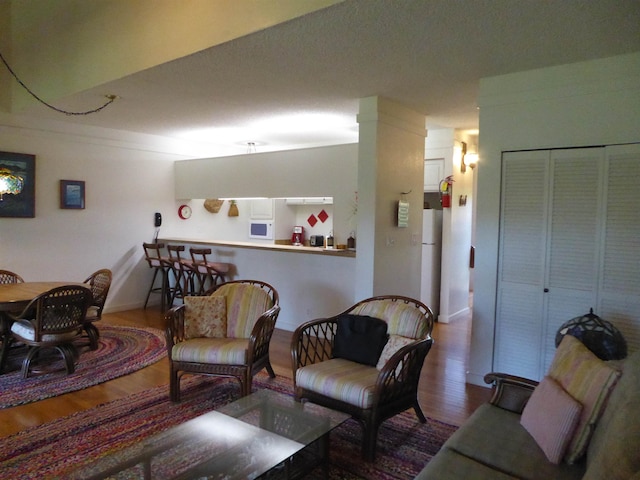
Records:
x=360, y=338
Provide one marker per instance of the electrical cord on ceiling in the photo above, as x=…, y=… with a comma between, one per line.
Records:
x=110, y=98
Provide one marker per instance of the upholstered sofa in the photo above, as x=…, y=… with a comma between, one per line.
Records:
x=493, y=444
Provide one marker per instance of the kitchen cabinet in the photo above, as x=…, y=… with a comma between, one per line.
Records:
x=261, y=209
x=570, y=223
x=433, y=173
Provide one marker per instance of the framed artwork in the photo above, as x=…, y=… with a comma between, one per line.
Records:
x=17, y=185
x=72, y=194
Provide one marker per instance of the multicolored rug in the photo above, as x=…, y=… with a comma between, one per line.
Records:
x=121, y=350
x=54, y=449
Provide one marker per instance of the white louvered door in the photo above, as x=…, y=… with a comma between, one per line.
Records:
x=570, y=238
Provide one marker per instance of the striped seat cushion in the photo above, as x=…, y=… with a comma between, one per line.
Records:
x=225, y=351
x=245, y=304
x=402, y=319
x=340, y=379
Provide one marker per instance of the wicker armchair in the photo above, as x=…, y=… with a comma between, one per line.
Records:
x=99, y=283
x=370, y=394
x=196, y=331
x=51, y=320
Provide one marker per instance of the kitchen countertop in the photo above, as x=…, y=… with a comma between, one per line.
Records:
x=263, y=246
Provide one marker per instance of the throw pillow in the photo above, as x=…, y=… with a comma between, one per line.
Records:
x=360, y=338
x=587, y=379
x=395, y=343
x=205, y=317
x=551, y=417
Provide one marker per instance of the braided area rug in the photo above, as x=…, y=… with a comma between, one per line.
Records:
x=121, y=350
x=55, y=449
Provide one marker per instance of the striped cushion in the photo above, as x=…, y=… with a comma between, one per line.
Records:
x=223, y=351
x=403, y=319
x=340, y=379
x=587, y=379
x=245, y=304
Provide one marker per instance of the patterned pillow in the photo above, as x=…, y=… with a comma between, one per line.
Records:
x=395, y=343
x=551, y=417
x=205, y=317
x=587, y=379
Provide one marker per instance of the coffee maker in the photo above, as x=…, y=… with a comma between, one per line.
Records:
x=297, y=238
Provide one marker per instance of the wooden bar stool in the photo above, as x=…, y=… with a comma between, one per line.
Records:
x=209, y=273
x=156, y=261
x=183, y=272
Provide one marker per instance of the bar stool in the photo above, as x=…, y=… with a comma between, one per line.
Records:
x=209, y=273
x=184, y=274
x=156, y=261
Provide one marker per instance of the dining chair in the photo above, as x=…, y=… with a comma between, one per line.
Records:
x=183, y=273
x=7, y=276
x=226, y=333
x=52, y=320
x=365, y=361
x=99, y=283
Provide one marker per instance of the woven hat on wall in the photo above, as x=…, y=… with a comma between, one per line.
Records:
x=213, y=205
x=598, y=335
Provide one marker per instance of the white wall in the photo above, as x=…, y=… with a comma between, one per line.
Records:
x=582, y=104
x=126, y=182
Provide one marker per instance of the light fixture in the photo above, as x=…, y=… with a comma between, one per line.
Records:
x=463, y=165
x=10, y=183
x=470, y=160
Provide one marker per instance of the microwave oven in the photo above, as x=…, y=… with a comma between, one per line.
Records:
x=261, y=229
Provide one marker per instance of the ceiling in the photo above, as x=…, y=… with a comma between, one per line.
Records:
x=297, y=84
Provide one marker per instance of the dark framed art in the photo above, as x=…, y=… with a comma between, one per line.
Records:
x=72, y=194
x=17, y=185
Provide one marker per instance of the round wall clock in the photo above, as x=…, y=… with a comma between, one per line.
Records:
x=184, y=211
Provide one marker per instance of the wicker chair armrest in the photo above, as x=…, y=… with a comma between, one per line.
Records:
x=401, y=374
x=261, y=334
x=510, y=392
x=174, y=327
x=312, y=342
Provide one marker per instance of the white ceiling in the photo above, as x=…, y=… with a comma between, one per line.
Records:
x=426, y=54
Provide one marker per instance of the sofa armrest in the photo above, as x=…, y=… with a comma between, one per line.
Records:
x=510, y=392
x=312, y=342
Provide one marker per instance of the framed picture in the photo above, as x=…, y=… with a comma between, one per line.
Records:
x=17, y=185
x=72, y=194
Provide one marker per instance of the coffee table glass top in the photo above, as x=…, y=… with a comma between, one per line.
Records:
x=241, y=440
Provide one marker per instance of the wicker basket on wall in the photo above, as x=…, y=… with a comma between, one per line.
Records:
x=213, y=205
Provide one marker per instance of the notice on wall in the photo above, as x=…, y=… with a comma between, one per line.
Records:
x=403, y=214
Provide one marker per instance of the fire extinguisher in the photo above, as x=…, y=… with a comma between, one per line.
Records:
x=446, y=187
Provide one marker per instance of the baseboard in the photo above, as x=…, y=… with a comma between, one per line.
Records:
x=475, y=379
x=452, y=318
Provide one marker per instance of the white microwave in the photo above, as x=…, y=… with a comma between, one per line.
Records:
x=261, y=229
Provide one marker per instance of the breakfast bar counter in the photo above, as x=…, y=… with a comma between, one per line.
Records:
x=263, y=246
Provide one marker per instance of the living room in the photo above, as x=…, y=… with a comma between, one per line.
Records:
x=590, y=99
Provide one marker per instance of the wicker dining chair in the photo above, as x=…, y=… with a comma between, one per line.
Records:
x=374, y=391
x=7, y=276
x=99, y=283
x=226, y=333
x=52, y=320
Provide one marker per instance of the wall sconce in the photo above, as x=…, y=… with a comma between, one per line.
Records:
x=467, y=159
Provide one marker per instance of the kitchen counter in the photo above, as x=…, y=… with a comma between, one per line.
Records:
x=264, y=246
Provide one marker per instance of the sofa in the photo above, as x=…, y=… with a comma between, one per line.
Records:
x=494, y=444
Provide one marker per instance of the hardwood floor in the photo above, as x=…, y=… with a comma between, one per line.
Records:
x=443, y=393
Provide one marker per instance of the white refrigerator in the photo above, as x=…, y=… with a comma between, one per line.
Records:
x=431, y=256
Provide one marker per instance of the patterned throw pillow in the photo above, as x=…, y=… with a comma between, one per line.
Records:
x=551, y=417
x=587, y=379
x=395, y=343
x=205, y=317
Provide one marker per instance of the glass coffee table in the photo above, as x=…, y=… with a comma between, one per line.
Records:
x=263, y=435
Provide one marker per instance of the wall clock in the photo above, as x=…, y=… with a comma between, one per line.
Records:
x=184, y=211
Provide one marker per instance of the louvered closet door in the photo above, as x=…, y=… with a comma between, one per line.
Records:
x=521, y=267
x=575, y=228
x=620, y=279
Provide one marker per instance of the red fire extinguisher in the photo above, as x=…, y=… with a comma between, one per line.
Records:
x=446, y=187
